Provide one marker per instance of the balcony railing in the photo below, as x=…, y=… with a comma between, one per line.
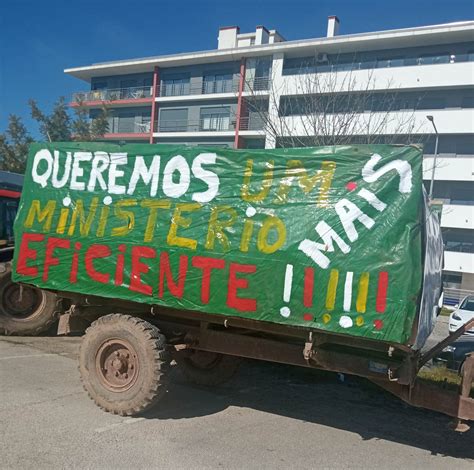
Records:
x=113, y=94
x=221, y=124
x=311, y=65
x=258, y=84
x=205, y=125
x=459, y=247
x=252, y=123
x=204, y=88
x=174, y=89
x=213, y=87
x=134, y=128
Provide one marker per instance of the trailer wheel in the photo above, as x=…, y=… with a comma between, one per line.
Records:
x=123, y=361
x=24, y=309
x=208, y=368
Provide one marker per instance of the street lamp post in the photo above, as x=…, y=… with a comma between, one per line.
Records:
x=431, y=119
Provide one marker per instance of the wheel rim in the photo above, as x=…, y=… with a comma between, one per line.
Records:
x=117, y=365
x=21, y=302
x=204, y=359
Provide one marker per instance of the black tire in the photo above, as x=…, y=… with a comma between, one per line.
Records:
x=207, y=368
x=124, y=364
x=24, y=309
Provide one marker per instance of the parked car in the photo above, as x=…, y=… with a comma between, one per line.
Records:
x=462, y=314
x=454, y=354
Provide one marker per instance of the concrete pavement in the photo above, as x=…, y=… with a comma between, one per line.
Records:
x=269, y=416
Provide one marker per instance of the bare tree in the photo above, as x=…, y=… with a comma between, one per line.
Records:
x=324, y=105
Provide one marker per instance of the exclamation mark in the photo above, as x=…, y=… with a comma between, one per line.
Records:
x=348, y=291
x=361, y=302
x=381, y=300
x=285, y=311
x=332, y=289
x=308, y=287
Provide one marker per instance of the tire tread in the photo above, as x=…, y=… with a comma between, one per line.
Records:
x=157, y=384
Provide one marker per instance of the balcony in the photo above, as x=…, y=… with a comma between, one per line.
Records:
x=205, y=88
x=131, y=96
x=199, y=125
x=222, y=125
x=257, y=85
x=252, y=123
x=213, y=89
x=399, y=78
x=134, y=131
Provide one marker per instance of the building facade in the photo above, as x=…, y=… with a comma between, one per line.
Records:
x=257, y=90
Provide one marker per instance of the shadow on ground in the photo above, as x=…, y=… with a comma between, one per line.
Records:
x=318, y=397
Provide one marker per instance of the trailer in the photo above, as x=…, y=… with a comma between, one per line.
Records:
x=326, y=257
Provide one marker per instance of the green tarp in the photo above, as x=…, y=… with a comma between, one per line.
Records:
x=326, y=238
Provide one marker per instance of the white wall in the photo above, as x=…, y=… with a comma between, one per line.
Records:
x=405, y=78
x=450, y=121
x=457, y=216
x=227, y=38
x=450, y=169
x=459, y=262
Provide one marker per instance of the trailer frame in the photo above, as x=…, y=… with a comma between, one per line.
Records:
x=393, y=367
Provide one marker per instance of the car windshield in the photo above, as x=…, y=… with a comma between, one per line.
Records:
x=468, y=304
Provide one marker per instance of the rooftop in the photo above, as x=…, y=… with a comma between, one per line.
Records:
x=377, y=40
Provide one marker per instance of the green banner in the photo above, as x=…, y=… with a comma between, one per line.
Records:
x=326, y=238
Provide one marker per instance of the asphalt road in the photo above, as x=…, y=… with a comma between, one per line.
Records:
x=269, y=416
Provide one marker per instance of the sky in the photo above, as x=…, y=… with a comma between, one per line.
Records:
x=40, y=38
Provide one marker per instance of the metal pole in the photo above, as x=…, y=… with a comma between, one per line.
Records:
x=431, y=119
x=434, y=167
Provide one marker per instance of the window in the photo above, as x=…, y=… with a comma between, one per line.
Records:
x=432, y=102
x=217, y=83
x=126, y=122
x=457, y=193
x=459, y=246
x=215, y=119
x=467, y=304
x=128, y=83
x=99, y=91
x=99, y=85
x=452, y=280
x=459, y=240
x=175, y=86
x=397, y=62
x=143, y=124
x=262, y=75
x=126, y=88
x=467, y=101
x=147, y=90
x=8, y=210
x=173, y=120
x=452, y=277
x=346, y=61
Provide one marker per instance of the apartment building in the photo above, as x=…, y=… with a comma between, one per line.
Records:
x=230, y=96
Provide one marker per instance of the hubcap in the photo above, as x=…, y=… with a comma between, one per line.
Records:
x=20, y=301
x=117, y=365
